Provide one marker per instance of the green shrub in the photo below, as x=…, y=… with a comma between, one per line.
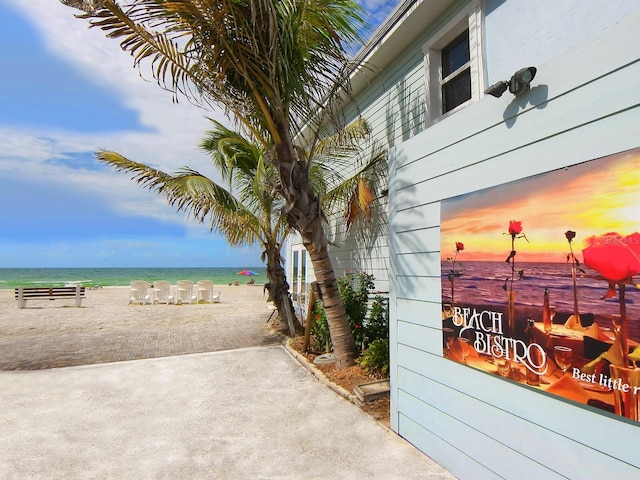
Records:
x=375, y=360
x=376, y=326
x=320, y=330
x=354, y=291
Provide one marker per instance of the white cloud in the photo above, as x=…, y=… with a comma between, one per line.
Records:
x=378, y=10
x=171, y=142
x=101, y=60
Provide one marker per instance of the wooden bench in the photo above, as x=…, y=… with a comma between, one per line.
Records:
x=22, y=294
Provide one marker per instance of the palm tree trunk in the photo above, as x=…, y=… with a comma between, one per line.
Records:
x=304, y=215
x=278, y=289
x=344, y=346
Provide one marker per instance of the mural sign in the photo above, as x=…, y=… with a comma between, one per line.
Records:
x=541, y=282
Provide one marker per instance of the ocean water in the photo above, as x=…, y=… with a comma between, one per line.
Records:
x=108, y=277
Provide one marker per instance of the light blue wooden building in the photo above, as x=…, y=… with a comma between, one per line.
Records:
x=422, y=87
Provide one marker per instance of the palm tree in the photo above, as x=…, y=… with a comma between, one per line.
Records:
x=272, y=64
x=246, y=211
x=248, y=215
x=242, y=164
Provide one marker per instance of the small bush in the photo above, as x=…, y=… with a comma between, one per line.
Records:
x=320, y=330
x=354, y=291
x=375, y=360
x=376, y=326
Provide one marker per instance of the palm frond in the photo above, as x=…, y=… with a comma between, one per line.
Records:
x=86, y=6
x=195, y=194
x=144, y=175
x=268, y=62
x=359, y=204
x=230, y=151
x=355, y=194
x=344, y=143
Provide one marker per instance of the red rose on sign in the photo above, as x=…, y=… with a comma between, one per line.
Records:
x=459, y=246
x=515, y=228
x=613, y=256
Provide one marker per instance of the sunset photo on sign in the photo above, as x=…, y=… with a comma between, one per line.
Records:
x=541, y=281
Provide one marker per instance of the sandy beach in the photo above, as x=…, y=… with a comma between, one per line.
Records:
x=106, y=328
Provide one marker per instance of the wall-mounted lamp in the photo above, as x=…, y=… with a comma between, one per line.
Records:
x=518, y=84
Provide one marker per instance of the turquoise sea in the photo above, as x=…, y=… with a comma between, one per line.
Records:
x=108, y=277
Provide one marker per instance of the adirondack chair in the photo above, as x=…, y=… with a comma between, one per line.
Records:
x=205, y=292
x=184, y=293
x=162, y=292
x=138, y=292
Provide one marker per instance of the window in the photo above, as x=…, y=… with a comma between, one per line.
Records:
x=299, y=277
x=453, y=64
x=456, y=73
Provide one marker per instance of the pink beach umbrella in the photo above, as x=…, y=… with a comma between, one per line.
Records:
x=246, y=272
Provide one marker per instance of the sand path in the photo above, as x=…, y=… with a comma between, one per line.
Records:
x=106, y=328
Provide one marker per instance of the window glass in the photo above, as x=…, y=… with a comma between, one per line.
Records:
x=456, y=91
x=456, y=54
x=456, y=80
x=295, y=273
x=303, y=277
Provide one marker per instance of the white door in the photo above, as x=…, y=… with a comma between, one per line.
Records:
x=299, y=280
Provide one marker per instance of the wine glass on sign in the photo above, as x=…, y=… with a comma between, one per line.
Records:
x=449, y=337
x=563, y=357
x=464, y=349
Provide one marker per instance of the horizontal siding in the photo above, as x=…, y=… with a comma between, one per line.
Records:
x=551, y=82
x=498, y=458
x=526, y=150
x=554, y=432
x=424, y=214
x=368, y=238
x=352, y=250
x=420, y=312
x=417, y=288
x=476, y=424
x=419, y=264
x=464, y=465
x=394, y=102
x=418, y=240
x=396, y=111
x=567, y=23
x=621, y=133
x=364, y=247
x=394, y=106
x=418, y=336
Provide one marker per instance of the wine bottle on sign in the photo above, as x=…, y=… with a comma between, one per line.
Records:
x=546, y=313
x=535, y=357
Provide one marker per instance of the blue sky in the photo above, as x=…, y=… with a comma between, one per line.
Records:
x=65, y=91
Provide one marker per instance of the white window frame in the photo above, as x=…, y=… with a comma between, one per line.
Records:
x=469, y=18
x=299, y=277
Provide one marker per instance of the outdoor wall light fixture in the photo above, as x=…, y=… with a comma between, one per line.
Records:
x=518, y=84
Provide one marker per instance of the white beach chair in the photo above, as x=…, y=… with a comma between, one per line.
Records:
x=162, y=292
x=205, y=292
x=184, y=293
x=138, y=292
